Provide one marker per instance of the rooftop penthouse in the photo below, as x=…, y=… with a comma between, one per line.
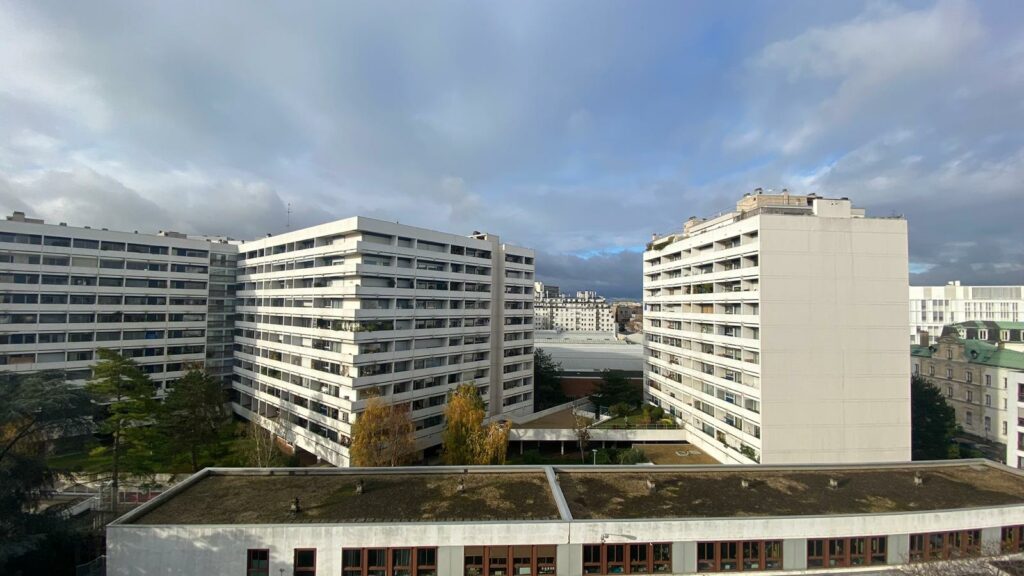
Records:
x=572, y=520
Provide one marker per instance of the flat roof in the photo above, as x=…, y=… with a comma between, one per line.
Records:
x=265, y=497
x=794, y=492
x=543, y=493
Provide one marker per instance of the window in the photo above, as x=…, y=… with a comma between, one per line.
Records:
x=389, y=562
x=305, y=561
x=57, y=241
x=83, y=243
x=627, y=558
x=748, y=555
x=944, y=545
x=1012, y=537
x=988, y=379
x=970, y=376
x=257, y=562
x=969, y=418
x=494, y=560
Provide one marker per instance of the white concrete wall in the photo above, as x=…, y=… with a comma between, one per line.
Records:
x=835, y=379
x=172, y=550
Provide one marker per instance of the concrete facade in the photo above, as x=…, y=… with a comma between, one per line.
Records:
x=331, y=313
x=773, y=332
x=160, y=299
x=586, y=312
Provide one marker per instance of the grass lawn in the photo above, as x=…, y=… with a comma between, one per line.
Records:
x=77, y=459
x=633, y=418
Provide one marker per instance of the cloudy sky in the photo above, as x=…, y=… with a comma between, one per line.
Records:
x=575, y=128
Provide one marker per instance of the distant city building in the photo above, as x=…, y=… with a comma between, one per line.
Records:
x=330, y=314
x=543, y=520
x=775, y=332
x=164, y=300
x=629, y=316
x=976, y=366
x=586, y=312
x=932, y=307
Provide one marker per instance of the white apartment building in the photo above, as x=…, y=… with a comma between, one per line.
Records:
x=331, y=313
x=66, y=291
x=774, y=333
x=587, y=312
x=932, y=307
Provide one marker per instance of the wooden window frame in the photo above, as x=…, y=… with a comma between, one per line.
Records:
x=304, y=570
x=849, y=552
x=737, y=556
x=532, y=554
x=929, y=546
x=250, y=570
x=649, y=564
x=415, y=568
x=1012, y=539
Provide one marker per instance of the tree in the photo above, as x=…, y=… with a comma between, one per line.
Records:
x=465, y=439
x=933, y=421
x=128, y=397
x=259, y=450
x=581, y=428
x=34, y=408
x=193, y=419
x=615, y=388
x=382, y=435
x=547, y=381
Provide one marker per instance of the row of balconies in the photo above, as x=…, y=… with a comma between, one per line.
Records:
x=674, y=255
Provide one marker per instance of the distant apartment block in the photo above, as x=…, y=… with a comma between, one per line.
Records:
x=932, y=307
x=586, y=312
x=162, y=300
x=979, y=367
x=330, y=314
x=774, y=332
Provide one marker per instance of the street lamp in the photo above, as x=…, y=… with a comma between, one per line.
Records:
x=594, y=450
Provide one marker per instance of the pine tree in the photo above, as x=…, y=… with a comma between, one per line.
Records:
x=193, y=419
x=547, y=381
x=932, y=421
x=127, y=394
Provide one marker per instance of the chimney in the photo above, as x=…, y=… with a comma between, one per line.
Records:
x=923, y=338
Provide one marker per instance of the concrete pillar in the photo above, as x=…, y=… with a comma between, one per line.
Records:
x=992, y=541
x=450, y=560
x=794, y=554
x=898, y=549
x=570, y=560
x=684, y=557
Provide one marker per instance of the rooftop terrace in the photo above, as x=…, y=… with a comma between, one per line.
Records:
x=532, y=493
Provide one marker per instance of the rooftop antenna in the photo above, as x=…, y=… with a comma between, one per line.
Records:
x=288, y=224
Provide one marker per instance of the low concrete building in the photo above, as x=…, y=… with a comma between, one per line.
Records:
x=584, y=356
x=573, y=520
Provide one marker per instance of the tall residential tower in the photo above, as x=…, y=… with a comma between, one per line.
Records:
x=776, y=333
x=331, y=314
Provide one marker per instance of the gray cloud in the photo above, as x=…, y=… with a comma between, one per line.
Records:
x=570, y=128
